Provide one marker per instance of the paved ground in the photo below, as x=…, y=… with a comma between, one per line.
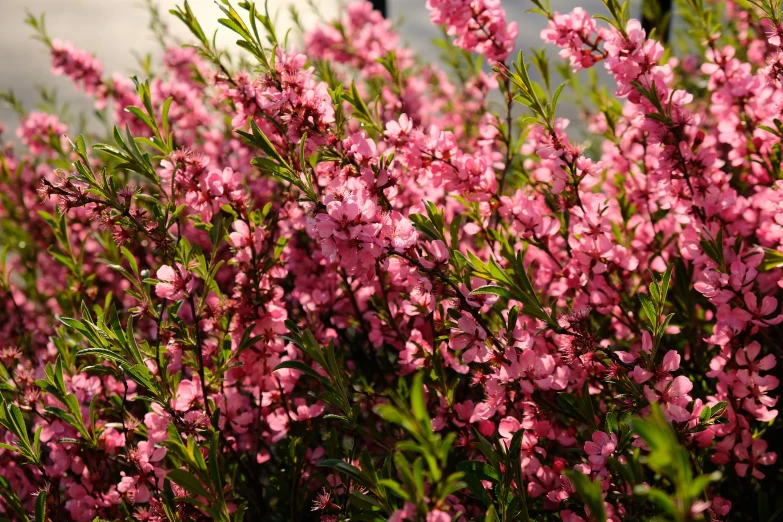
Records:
x=116, y=31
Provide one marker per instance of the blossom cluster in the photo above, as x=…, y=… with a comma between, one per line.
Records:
x=336, y=283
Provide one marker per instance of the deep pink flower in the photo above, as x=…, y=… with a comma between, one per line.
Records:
x=673, y=397
x=174, y=283
x=751, y=460
x=601, y=446
x=470, y=339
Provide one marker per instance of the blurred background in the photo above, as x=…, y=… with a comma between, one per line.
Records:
x=117, y=32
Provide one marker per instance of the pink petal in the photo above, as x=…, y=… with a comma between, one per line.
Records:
x=166, y=273
x=681, y=385
x=671, y=361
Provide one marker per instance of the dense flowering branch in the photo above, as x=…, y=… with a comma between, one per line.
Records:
x=336, y=284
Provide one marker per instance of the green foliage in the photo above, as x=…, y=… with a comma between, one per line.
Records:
x=422, y=460
x=772, y=9
x=772, y=260
x=276, y=165
x=54, y=385
x=203, y=478
x=670, y=460
x=334, y=383
x=11, y=419
x=514, y=283
x=116, y=345
x=590, y=493
x=653, y=309
x=361, y=110
x=579, y=407
x=532, y=95
x=620, y=14
x=507, y=498
x=414, y=471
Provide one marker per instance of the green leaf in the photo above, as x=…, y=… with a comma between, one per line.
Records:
x=719, y=409
x=423, y=224
x=348, y=469
x=141, y=375
x=665, y=280
x=492, y=515
x=188, y=482
x=590, y=492
x=660, y=498
x=102, y=353
x=9, y=447
x=395, y=487
x=361, y=500
x=481, y=470
x=259, y=139
x=556, y=97
x=361, y=111
x=772, y=259
x=418, y=405
x=40, y=507
x=649, y=309
x=492, y=290
x=133, y=348
x=701, y=482
x=391, y=414
x=142, y=116
x=611, y=423
x=477, y=488
x=302, y=367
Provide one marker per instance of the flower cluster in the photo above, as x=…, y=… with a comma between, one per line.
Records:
x=81, y=67
x=480, y=24
x=340, y=284
x=42, y=133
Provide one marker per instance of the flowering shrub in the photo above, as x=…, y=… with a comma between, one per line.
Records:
x=341, y=284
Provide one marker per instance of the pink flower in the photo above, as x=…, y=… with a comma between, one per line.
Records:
x=80, y=66
x=360, y=147
x=541, y=371
x=569, y=516
x=245, y=242
x=754, y=389
x=480, y=24
x=746, y=357
x=278, y=421
x=673, y=397
x=188, y=394
x=408, y=512
x=173, y=284
x=398, y=231
x=758, y=456
x=437, y=515
x=774, y=36
x=528, y=215
x=322, y=500
x=719, y=507
x=398, y=130
x=237, y=411
x=40, y=132
x=508, y=426
x=224, y=185
x=470, y=338
x=640, y=375
x=601, y=447
x=304, y=412
x=82, y=506
x=575, y=33
x=760, y=314
x=671, y=361
x=365, y=238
